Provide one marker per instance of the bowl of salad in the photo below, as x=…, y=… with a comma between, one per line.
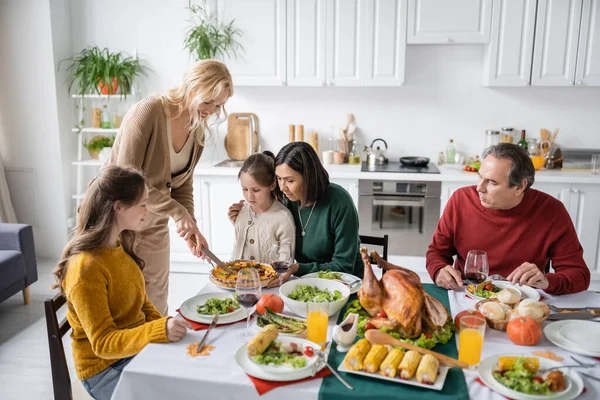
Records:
x=297, y=293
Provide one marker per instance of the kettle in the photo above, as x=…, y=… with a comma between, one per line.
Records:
x=377, y=156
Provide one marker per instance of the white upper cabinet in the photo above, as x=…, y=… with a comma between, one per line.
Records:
x=444, y=21
x=263, y=36
x=385, y=46
x=306, y=42
x=588, y=55
x=508, y=57
x=556, y=40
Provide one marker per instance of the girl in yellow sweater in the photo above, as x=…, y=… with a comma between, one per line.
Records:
x=101, y=277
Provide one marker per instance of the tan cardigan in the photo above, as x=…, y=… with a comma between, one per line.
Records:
x=142, y=143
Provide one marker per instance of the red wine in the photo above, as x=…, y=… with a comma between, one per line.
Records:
x=477, y=277
x=247, y=300
x=281, y=266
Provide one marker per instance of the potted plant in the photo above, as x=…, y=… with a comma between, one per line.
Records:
x=97, y=143
x=95, y=70
x=208, y=38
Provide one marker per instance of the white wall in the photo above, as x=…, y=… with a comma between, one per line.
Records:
x=442, y=98
x=29, y=134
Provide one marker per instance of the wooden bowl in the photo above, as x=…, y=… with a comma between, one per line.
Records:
x=499, y=325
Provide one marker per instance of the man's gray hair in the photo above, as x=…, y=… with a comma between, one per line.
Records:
x=521, y=166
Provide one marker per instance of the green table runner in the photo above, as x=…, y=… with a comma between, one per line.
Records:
x=455, y=386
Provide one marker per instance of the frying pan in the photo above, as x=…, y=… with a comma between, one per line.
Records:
x=415, y=161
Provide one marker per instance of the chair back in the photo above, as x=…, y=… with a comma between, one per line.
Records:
x=376, y=241
x=61, y=380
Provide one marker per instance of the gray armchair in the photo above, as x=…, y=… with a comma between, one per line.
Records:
x=18, y=268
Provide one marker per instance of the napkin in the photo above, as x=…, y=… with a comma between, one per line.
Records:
x=262, y=386
x=198, y=326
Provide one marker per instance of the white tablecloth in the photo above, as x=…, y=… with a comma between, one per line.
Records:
x=163, y=371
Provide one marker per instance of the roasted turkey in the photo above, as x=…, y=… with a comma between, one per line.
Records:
x=410, y=311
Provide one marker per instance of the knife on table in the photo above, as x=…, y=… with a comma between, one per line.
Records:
x=212, y=325
x=572, y=315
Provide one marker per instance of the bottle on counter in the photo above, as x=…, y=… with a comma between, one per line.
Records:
x=451, y=153
x=523, y=142
x=354, y=155
x=105, y=118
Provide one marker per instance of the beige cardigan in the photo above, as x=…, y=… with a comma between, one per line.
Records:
x=142, y=143
x=256, y=236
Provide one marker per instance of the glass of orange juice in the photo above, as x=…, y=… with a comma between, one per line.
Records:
x=470, y=339
x=317, y=321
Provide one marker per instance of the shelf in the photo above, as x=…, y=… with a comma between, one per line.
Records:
x=88, y=163
x=95, y=130
x=101, y=96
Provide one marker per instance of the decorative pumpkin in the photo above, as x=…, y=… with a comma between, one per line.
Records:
x=271, y=301
x=524, y=331
x=466, y=313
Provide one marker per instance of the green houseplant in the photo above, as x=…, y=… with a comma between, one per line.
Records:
x=95, y=70
x=97, y=143
x=208, y=38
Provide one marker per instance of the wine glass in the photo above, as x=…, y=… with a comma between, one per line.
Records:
x=281, y=258
x=247, y=291
x=476, y=266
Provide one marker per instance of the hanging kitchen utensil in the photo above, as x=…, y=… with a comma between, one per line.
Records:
x=237, y=140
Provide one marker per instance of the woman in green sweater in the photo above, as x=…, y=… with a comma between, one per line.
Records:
x=101, y=277
x=324, y=213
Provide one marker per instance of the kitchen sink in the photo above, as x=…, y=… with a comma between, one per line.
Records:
x=229, y=164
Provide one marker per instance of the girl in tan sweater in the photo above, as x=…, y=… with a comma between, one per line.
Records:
x=101, y=276
x=163, y=136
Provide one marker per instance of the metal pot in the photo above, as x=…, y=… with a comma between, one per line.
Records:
x=377, y=156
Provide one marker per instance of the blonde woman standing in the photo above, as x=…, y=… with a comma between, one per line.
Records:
x=163, y=136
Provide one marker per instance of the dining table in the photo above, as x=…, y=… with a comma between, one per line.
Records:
x=166, y=371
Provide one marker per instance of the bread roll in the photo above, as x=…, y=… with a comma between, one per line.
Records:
x=513, y=314
x=531, y=308
x=507, y=309
x=493, y=311
x=509, y=296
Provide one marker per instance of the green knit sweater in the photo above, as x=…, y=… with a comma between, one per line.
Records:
x=331, y=241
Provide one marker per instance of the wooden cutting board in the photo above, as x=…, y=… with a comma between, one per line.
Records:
x=238, y=135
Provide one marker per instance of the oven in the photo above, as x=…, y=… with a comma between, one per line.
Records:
x=406, y=211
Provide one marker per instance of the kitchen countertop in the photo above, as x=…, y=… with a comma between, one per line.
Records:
x=447, y=174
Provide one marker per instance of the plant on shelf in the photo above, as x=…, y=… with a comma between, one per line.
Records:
x=97, y=143
x=208, y=38
x=95, y=70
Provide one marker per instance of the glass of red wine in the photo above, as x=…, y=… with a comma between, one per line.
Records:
x=247, y=291
x=281, y=258
x=476, y=266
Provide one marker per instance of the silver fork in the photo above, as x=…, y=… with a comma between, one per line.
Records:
x=594, y=378
x=321, y=361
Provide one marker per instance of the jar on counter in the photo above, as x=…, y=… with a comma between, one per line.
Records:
x=507, y=135
x=354, y=155
x=492, y=138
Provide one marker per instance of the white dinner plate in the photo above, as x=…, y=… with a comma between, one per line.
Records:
x=437, y=385
x=553, y=333
x=487, y=367
x=188, y=309
x=282, y=374
x=579, y=333
x=346, y=278
x=527, y=292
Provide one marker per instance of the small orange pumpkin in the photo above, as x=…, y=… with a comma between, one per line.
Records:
x=524, y=331
x=271, y=301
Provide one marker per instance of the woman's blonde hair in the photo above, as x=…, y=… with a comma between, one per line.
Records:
x=97, y=215
x=204, y=81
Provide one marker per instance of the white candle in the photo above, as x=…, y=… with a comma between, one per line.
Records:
x=327, y=157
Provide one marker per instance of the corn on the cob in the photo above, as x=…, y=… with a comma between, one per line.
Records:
x=356, y=355
x=428, y=369
x=389, y=366
x=259, y=343
x=506, y=363
x=409, y=364
x=374, y=358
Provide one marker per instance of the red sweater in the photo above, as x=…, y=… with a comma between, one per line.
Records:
x=538, y=230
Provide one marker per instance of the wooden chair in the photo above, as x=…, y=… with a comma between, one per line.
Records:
x=61, y=379
x=376, y=241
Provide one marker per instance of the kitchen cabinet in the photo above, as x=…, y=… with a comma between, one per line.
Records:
x=556, y=41
x=585, y=212
x=442, y=21
x=263, y=36
x=351, y=186
x=588, y=53
x=509, y=55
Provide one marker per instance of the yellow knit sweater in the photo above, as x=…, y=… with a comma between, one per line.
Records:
x=108, y=310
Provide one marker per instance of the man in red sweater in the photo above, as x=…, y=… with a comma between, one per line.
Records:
x=521, y=229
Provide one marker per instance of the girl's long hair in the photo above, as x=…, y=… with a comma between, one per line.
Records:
x=97, y=215
x=205, y=80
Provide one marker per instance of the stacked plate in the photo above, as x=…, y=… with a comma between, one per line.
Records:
x=576, y=336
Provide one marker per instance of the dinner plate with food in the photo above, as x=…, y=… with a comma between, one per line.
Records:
x=203, y=307
x=395, y=365
x=354, y=283
x=522, y=377
x=272, y=357
x=490, y=289
x=227, y=280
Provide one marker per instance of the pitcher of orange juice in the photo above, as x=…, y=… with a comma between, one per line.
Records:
x=317, y=321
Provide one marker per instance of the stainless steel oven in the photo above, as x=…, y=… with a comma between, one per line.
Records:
x=407, y=211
